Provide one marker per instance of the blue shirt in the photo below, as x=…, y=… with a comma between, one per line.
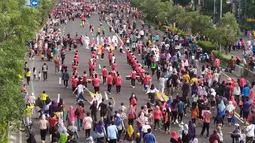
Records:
x=55, y=51
x=112, y=132
x=180, y=107
x=246, y=106
x=149, y=138
x=246, y=91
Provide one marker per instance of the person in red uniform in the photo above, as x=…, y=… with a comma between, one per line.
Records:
x=74, y=82
x=85, y=79
x=74, y=67
x=90, y=65
x=75, y=59
x=113, y=73
x=110, y=54
x=93, y=68
x=104, y=74
x=109, y=82
x=146, y=81
x=52, y=123
x=102, y=53
x=114, y=66
x=118, y=83
x=133, y=78
x=96, y=83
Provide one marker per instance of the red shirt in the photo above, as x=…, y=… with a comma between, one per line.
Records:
x=56, y=62
x=114, y=66
x=93, y=66
x=80, y=112
x=74, y=67
x=133, y=101
x=85, y=78
x=52, y=122
x=133, y=74
x=104, y=72
x=96, y=82
x=147, y=79
x=118, y=81
x=109, y=79
x=242, y=82
x=102, y=50
x=110, y=56
x=74, y=82
x=75, y=60
x=113, y=73
x=90, y=64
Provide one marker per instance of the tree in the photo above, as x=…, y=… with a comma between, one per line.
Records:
x=227, y=30
x=18, y=24
x=201, y=24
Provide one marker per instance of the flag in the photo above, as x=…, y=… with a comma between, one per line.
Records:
x=162, y=96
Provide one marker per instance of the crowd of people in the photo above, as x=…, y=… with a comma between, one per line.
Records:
x=176, y=62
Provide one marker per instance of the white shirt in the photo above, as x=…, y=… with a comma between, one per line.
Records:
x=80, y=88
x=113, y=59
x=250, y=130
x=162, y=81
x=195, y=71
x=141, y=32
x=145, y=128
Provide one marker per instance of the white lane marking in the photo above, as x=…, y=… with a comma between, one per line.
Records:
x=106, y=96
x=60, y=67
x=59, y=80
x=115, y=33
x=97, y=56
x=58, y=98
x=99, y=66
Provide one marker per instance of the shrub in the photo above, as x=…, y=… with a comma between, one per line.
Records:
x=207, y=46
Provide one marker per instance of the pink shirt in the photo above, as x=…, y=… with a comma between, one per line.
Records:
x=87, y=123
x=157, y=114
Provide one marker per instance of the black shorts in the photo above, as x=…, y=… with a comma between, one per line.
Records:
x=245, y=115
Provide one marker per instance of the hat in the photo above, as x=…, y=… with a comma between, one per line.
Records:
x=237, y=125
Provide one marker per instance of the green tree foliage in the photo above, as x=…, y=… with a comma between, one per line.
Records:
x=18, y=24
x=226, y=32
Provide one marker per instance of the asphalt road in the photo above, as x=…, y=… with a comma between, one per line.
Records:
x=52, y=87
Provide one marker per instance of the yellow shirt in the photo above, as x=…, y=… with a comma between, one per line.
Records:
x=28, y=74
x=186, y=77
x=98, y=30
x=44, y=96
x=193, y=80
x=28, y=110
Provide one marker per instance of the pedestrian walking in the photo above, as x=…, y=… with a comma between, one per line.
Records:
x=65, y=78
x=43, y=125
x=45, y=71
